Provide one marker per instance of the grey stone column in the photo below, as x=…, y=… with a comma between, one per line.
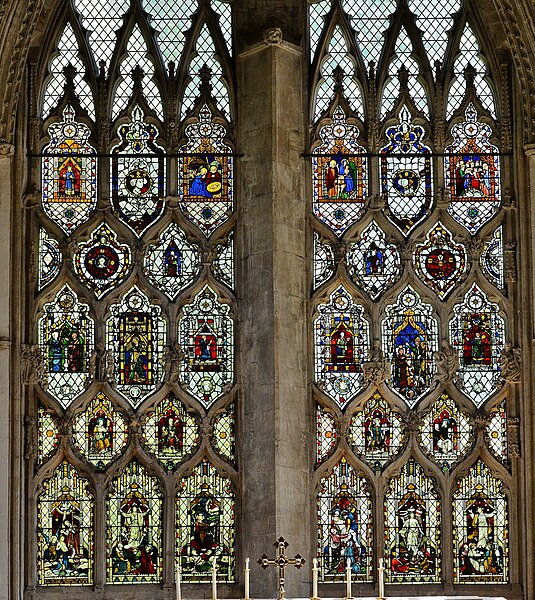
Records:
x=276, y=419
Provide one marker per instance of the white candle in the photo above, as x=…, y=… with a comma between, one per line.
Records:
x=381, y=570
x=247, y=570
x=315, y=579
x=177, y=582
x=348, y=579
x=214, y=579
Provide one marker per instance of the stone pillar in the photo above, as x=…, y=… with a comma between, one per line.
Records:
x=276, y=418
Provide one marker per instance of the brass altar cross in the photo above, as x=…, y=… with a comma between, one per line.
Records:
x=281, y=561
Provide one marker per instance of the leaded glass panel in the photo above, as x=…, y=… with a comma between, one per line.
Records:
x=223, y=264
x=496, y=432
x=326, y=434
x=317, y=12
x=223, y=9
x=324, y=265
x=224, y=434
x=47, y=434
x=491, y=260
x=50, y=259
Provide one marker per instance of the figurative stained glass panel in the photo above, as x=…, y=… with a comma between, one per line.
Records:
x=406, y=179
x=170, y=432
x=491, y=260
x=377, y=433
x=496, y=432
x=205, y=525
x=102, y=263
x=446, y=433
x=50, y=259
x=66, y=338
x=138, y=174
x=134, y=527
x=410, y=339
x=223, y=263
x=344, y=525
x=206, y=335
x=224, y=434
x=326, y=434
x=341, y=341
x=100, y=433
x=472, y=173
x=69, y=173
x=339, y=172
x=477, y=334
x=480, y=528
x=136, y=337
x=172, y=263
x=440, y=262
x=47, y=434
x=205, y=174
x=65, y=529
x=412, y=527
x=324, y=265
x=373, y=263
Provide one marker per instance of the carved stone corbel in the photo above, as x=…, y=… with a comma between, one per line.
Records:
x=273, y=36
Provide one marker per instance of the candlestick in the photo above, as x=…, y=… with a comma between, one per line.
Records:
x=178, y=590
x=348, y=580
x=247, y=571
x=214, y=579
x=315, y=579
x=381, y=570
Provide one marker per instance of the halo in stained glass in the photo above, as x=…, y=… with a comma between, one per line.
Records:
x=477, y=333
x=480, y=528
x=472, y=173
x=138, y=174
x=50, y=259
x=410, y=339
x=206, y=335
x=326, y=434
x=406, y=179
x=377, y=433
x=66, y=338
x=492, y=261
x=172, y=263
x=324, y=265
x=373, y=264
x=134, y=552
x=345, y=529
x=65, y=529
x=440, y=262
x=69, y=173
x=47, y=434
x=170, y=432
x=223, y=264
x=100, y=433
x=205, y=174
x=341, y=341
x=205, y=527
x=102, y=263
x=496, y=432
x=339, y=175
x=412, y=527
x=136, y=337
x=224, y=434
x=445, y=433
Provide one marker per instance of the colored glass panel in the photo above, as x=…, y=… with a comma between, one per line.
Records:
x=480, y=528
x=205, y=528
x=344, y=525
x=341, y=341
x=206, y=335
x=340, y=177
x=491, y=260
x=69, y=174
x=406, y=179
x=496, y=432
x=223, y=264
x=224, y=434
x=410, y=339
x=50, y=259
x=412, y=527
x=47, y=434
x=326, y=434
x=324, y=266
x=65, y=529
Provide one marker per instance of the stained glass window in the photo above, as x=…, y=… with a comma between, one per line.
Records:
x=412, y=527
x=317, y=12
x=50, y=259
x=223, y=8
x=223, y=265
x=373, y=263
x=69, y=173
x=205, y=525
x=326, y=434
x=66, y=333
x=406, y=181
x=47, y=434
x=224, y=434
x=171, y=432
x=496, y=432
x=136, y=337
x=410, y=339
x=206, y=335
x=480, y=534
x=324, y=265
x=172, y=263
x=491, y=260
x=341, y=342
x=100, y=433
x=440, y=262
x=472, y=172
x=477, y=334
x=65, y=529
x=339, y=175
x=102, y=263
x=344, y=525
x=205, y=174
x=377, y=433
x=446, y=433
x=138, y=174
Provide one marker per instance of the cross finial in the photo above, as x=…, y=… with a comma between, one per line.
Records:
x=281, y=561
x=137, y=77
